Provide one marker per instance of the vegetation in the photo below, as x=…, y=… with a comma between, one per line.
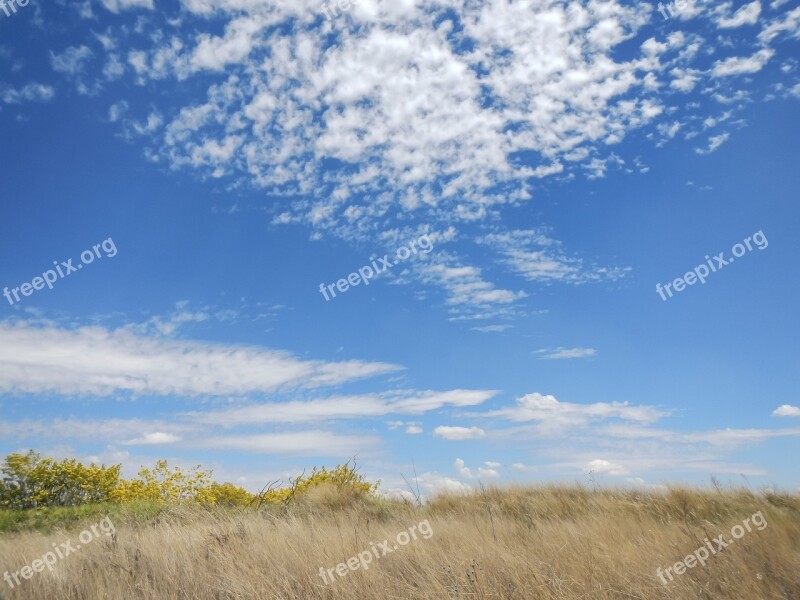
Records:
x=179, y=535
x=31, y=482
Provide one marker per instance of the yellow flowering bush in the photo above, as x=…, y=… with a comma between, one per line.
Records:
x=30, y=481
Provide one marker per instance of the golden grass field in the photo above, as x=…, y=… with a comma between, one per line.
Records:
x=553, y=542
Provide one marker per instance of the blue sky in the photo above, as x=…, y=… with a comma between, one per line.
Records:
x=556, y=161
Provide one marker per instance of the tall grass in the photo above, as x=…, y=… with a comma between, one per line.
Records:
x=553, y=542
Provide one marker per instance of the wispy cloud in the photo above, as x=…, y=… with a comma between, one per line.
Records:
x=98, y=361
x=566, y=353
x=459, y=433
x=538, y=257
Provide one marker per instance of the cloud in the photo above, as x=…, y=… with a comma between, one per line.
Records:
x=459, y=433
x=470, y=296
x=72, y=61
x=567, y=353
x=32, y=92
x=538, y=257
x=97, y=361
x=152, y=439
x=492, y=328
x=342, y=407
x=464, y=471
x=549, y=411
x=304, y=443
x=434, y=483
x=523, y=468
x=461, y=468
x=787, y=410
x=116, y=6
x=746, y=15
x=742, y=65
x=294, y=103
x=111, y=430
x=117, y=110
x=714, y=142
x=603, y=467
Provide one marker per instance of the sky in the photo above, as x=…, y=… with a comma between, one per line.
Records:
x=464, y=242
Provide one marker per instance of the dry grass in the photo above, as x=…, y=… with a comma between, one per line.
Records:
x=549, y=542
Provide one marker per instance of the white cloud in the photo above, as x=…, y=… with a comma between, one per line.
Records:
x=215, y=53
x=470, y=296
x=742, y=65
x=555, y=414
x=489, y=471
x=72, y=61
x=459, y=433
x=110, y=430
x=462, y=469
x=538, y=257
x=116, y=6
x=523, y=468
x=787, y=410
x=32, y=92
x=152, y=439
x=492, y=328
x=603, y=467
x=343, y=407
x=297, y=101
x=304, y=443
x=434, y=483
x=684, y=80
x=746, y=15
x=787, y=23
x=567, y=353
x=641, y=483
x=714, y=142
x=117, y=110
x=96, y=361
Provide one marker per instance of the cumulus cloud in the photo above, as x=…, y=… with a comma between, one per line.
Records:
x=742, y=65
x=489, y=471
x=746, y=15
x=787, y=410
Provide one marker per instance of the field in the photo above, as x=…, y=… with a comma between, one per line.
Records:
x=551, y=542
